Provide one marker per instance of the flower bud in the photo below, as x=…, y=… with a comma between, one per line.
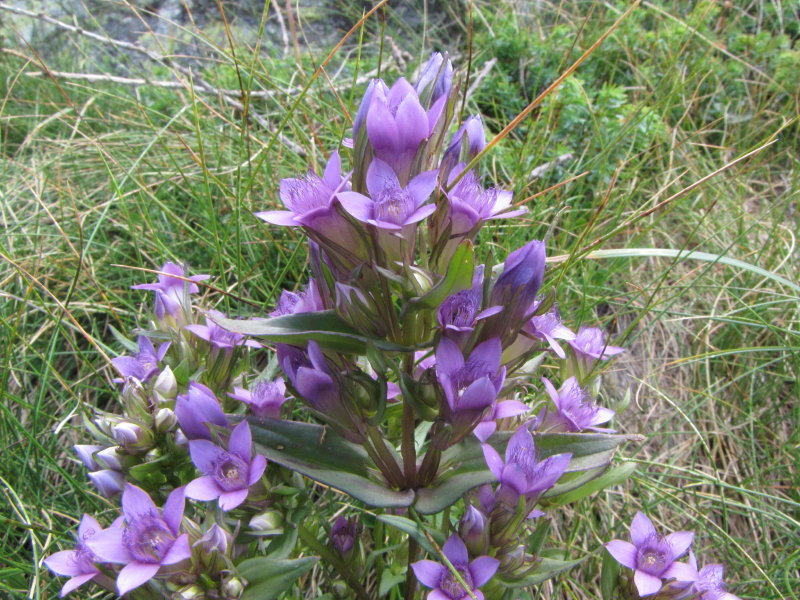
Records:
x=269, y=522
x=135, y=399
x=165, y=420
x=474, y=531
x=108, y=483
x=232, y=588
x=343, y=535
x=190, y=592
x=109, y=458
x=86, y=454
x=216, y=539
x=165, y=388
x=131, y=436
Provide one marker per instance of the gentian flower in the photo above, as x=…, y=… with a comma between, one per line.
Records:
x=292, y=303
x=466, y=144
x=500, y=410
x=548, y=328
x=107, y=481
x=150, y=539
x=220, y=339
x=436, y=79
x=144, y=364
x=77, y=564
x=86, y=454
x=265, y=399
x=459, y=313
x=574, y=409
x=470, y=386
x=589, y=346
x=228, y=474
x=444, y=584
x=390, y=205
x=172, y=292
x=470, y=204
x=710, y=583
x=522, y=473
x=474, y=530
x=515, y=290
x=652, y=557
x=197, y=409
x=343, y=535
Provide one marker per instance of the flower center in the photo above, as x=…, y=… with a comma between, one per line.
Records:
x=654, y=556
x=459, y=310
x=452, y=587
x=230, y=472
x=306, y=194
x=393, y=205
x=148, y=539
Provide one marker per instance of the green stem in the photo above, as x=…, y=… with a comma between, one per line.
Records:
x=347, y=573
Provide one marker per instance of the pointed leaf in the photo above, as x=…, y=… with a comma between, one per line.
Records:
x=268, y=578
x=609, y=478
x=457, y=278
x=609, y=575
x=547, y=568
x=319, y=453
x=325, y=327
x=413, y=529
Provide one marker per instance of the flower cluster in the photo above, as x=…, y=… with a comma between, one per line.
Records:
x=424, y=366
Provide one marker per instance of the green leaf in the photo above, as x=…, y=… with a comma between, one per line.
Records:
x=609, y=575
x=268, y=578
x=325, y=327
x=610, y=478
x=547, y=568
x=457, y=278
x=388, y=581
x=321, y=454
x=412, y=529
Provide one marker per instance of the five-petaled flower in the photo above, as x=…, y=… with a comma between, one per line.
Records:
x=77, y=564
x=441, y=579
x=150, y=539
x=653, y=557
x=227, y=474
x=172, y=290
x=574, y=410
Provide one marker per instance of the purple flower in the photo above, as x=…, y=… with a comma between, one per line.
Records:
x=441, y=579
x=589, y=346
x=474, y=530
x=652, y=557
x=471, y=204
x=397, y=124
x=292, y=303
x=77, y=564
x=436, y=79
x=522, y=473
x=343, y=534
x=390, y=205
x=172, y=290
x=308, y=197
x=515, y=290
x=265, y=399
x=218, y=337
x=470, y=386
x=149, y=540
x=710, y=583
x=500, y=410
x=228, y=474
x=548, y=327
x=467, y=142
x=574, y=409
x=460, y=312
x=197, y=409
x=144, y=364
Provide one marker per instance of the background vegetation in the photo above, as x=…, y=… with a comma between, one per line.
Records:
x=149, y=159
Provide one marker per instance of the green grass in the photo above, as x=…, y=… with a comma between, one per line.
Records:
x=100, y=176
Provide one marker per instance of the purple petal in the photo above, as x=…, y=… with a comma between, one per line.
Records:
x=428, y=572
x=128, y=366
x=135, y=574
x=241, y=441
x=257, y=468
x=64, y=563
x=623, y=552
x=551, y=390
x=680, y=541
x=414, y=121
x=449, y=358
x=483, y=569
x=479, y=394
x=333, y=170
x=492, y=310
x=88, y=527
x=173, y=509
x=493, y=460
x=86, y=453
x=422, y=186
x=646, y=584
x=510, y=408
x=204, y=455
x=203, y=489
x=136, y=503
x=107, y=546
x=484, y=430
x=284, y=218
x=520, y=444
x=551, y=470
x=438, y=594
x=178, y=551
x=358, y=205
x=421, y=213
x=488, y=353
x=230, y=500
x=455, y=550
x=681, y=572
x=641, y=529
x=380, y=176
x=75, y=582
x=381, y=127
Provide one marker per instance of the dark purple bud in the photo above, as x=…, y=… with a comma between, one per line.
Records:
x=343, y=535
x=474, y=531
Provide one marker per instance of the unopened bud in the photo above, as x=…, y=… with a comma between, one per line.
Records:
x=165, y=388
x=109, y=458
x=86, y=453
x=269, y=522
x=232, y=588
x=108, y=483
x=165, y=420
x=130, y=436
x=190, y=592
x=216, y=539
x=474, y=531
